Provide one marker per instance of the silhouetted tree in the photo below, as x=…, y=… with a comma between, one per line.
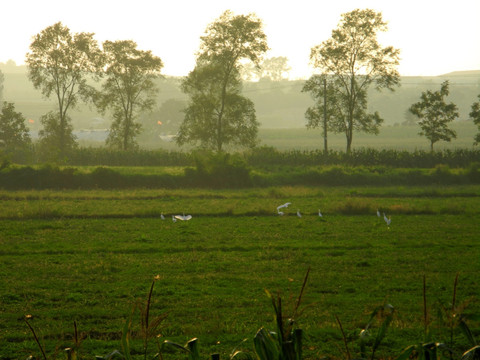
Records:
x=14, y=135
x=435, y=114
x=217, y=114
x=61, y=63
x=355, y=60
x=475, y=116
x=328, y=97
x=128, y=90
x=274, y=68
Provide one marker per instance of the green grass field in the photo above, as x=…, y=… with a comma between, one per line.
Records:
x=86, y=256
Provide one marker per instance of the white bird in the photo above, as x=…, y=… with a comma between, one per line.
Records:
x=387, y=220
x=378, y=213
x=283, y=206
x=319, y=213
x=298, y=213
x=173, y=219
x=162, y=217
x=183, y=217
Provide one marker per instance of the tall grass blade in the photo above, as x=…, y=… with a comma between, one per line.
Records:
x=407, y=353
x=192, y=345
x=467, y=332
x=425, y=311
x=472, y=354
x=175, y=345
x=36, y=338
x=349, y=357
x=126, y=336
x=265, y=345
x=237, y=353
x=297, y=341
x=299, y=300
x=383, y=329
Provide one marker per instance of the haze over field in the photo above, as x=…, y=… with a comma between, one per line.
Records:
x=434, y=37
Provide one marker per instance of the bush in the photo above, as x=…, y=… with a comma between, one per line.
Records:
x=219, y=171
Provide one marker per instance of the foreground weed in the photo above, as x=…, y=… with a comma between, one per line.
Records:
x=451, y=317
x=40, y=346
x=149, y=328
x=383, y=315
x=71, y=353
x=286, y=343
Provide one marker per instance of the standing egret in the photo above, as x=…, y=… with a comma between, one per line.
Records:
x=319, y=213
x=378, y=213
x=162, y=217
x=298, y=213
x=283, y=206
x=387, y=220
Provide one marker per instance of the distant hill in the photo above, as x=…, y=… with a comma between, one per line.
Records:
x=462, y=73
x=278, y=104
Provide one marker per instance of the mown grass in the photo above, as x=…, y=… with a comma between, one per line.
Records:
x=87, y=255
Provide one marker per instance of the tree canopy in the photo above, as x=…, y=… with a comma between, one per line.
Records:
x=129, y=89
x=475, y=116
x=60, y=64
x=217, y=114
x=354, y=60
x=435, y=114
x=14, y=134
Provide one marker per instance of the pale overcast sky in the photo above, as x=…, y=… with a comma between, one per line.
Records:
x=434, y=36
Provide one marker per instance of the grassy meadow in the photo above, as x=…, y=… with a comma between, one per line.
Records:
x=88, y=256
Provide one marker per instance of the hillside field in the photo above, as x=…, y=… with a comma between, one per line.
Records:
x=87, y=256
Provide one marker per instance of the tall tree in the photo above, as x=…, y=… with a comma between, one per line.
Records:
x=355, y=60
x=331, y=109
x=435, y=114
x=475, y=116
x=60, y=64
x=128, y=90
x=14, y=134
x=275, y=68
x=217, y=114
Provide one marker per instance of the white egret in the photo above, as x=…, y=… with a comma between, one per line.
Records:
x=162, y=217
x=387, y=220
x=298, y=213
x=319, y=213
x=378, y=213
x=283, y=206
x=183, y=217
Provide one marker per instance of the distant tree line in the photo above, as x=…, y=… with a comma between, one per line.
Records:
x=119, y=80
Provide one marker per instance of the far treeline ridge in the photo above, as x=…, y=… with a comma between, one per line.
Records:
x=116, y=87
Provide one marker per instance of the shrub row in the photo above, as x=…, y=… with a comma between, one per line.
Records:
x=364, y=157
x=266, y=156
x=232, y=174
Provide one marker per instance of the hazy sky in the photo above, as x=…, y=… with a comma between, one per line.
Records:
x=434, y=36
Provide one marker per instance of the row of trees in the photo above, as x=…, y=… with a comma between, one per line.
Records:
x=67, y=67
x=64, y=65
x=350, y=62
